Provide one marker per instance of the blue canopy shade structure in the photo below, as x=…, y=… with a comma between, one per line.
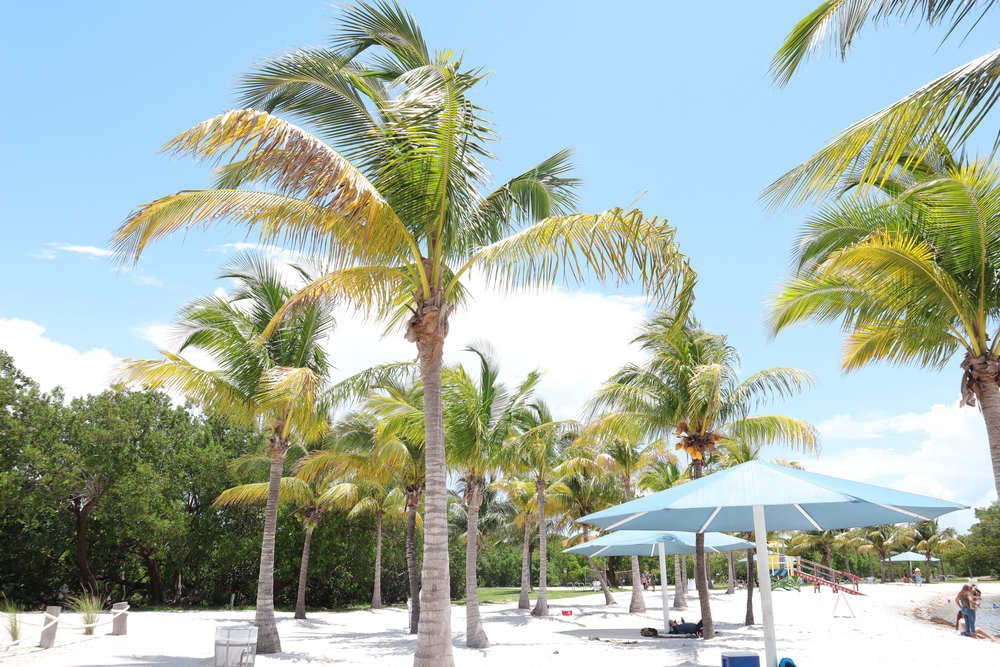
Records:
x=646, y=543
x=652, y=543
x=910, y=557
x=757, y=496
x=792, y=500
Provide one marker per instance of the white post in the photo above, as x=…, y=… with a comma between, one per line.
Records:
x=119, y=626
x=663, y=588
x=764, y=575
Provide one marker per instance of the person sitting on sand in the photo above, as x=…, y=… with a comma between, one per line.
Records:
x=966, y=604
x=980, y=633
x=683, y=628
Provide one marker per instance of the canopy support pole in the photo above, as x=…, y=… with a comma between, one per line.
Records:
x=764, y=575
x=663, y=587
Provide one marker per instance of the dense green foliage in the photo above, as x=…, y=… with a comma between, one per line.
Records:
x=137, y=476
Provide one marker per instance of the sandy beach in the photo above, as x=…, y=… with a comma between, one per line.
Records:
x=891, y=627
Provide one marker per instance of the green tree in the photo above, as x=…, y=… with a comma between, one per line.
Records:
x=983, y=540
x=537, y=451
x=576, y=495
x=690, y=385
x=391, y=191
x=911, y=276
x=480, y=417
x=522, y=494
x=881, y=540
x=272, y=382
x=932, y=540
x=952, y=105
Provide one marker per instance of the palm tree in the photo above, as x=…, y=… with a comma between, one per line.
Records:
x=481, y=415
x=911, y=275
x=522, y=495
x=658, y=476
x=576, y=495
x=310, y=500
x=952, y=105
x=881, y=540
x=933, y=540
x=272, y=382
x=689, y=385
x=623, y=454
x=399, y=210
x=537, y=451
x=823, y=540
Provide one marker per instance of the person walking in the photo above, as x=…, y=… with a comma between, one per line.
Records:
x=966, y=604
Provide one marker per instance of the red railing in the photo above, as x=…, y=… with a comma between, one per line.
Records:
x=821, y=575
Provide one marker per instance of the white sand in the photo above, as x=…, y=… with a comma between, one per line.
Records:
x=890, y=629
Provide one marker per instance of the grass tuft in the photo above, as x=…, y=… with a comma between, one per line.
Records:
x=89, y=606
x=10, y=610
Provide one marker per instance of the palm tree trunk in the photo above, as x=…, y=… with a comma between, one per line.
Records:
x=732, y=574
x=412, y=500
x=882, y=561
x=377, y=592
x=608, y=598
x=750, y=573
x=89, y=580
x=524, y=602
x=828, y=556
x=680, y=602
x=434, y=630
x=871, y=566
x=300, y=601
x=701, y=581
x=542, y=603
x=984, y=373
x=684, y=573
x=637, y=605
x=267, y=629
x=475, y=636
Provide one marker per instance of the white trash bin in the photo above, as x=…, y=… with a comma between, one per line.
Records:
x=235, y=645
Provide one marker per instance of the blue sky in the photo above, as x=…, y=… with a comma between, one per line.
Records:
x=670, y=99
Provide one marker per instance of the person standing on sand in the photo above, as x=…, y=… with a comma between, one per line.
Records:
x=917, y=576
x=965, y=603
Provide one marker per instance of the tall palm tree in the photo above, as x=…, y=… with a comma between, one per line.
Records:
x=480, y=417
x=689, y=385
x=311, y=499
x=623, y=453
x=932, y=540
x=392, y=189
x=576, y=495
x=823, y=540
x=952, y=105
x=537, y=451
x=273, y=383
x=522, y=494
x=910, y=273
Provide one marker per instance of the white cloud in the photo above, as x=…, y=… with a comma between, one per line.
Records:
x=50, y=363
x=83, y=249
x=43, y=254
x=943, y=453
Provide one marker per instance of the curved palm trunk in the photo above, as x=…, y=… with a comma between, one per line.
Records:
x=680, y=602
x=475, y=636
x=412, y=501
x=732, y=573
x=524, y=602
x=267, y=629
x=542, y=603
x=377, y=592
x=750, y=575
x=608, y=598
x=434, y=630
x=982, y=374
x=300, y=601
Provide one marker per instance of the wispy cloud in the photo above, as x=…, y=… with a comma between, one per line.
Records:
x=83, y=249
x=43, y=254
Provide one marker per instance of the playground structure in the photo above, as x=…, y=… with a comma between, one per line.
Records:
x=821, y=575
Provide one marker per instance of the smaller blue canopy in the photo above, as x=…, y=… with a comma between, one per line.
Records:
x=910, y=557
x=646, y=543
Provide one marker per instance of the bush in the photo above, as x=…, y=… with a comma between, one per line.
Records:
x=89, y=606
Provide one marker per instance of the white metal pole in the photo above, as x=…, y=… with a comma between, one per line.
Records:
x=663, y=588
x=760, y=537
